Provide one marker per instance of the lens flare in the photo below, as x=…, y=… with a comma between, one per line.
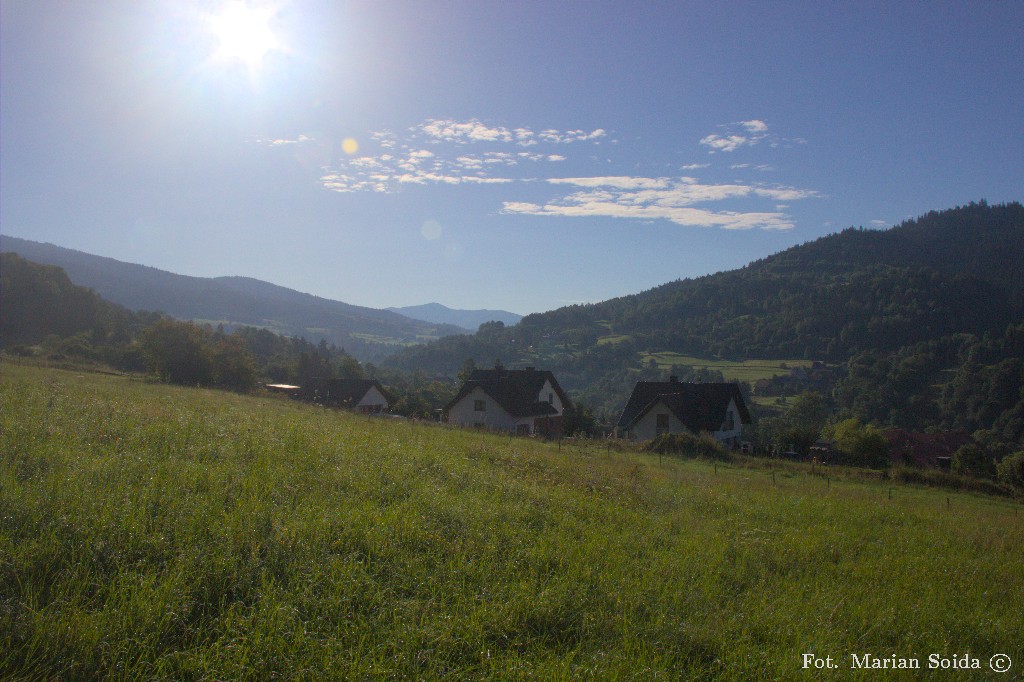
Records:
x=431, y=230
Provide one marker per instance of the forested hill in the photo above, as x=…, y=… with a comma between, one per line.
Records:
x=235, y=301
x=40, y=300
x=947, y=272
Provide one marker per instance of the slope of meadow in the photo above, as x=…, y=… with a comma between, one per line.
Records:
x=159, y=532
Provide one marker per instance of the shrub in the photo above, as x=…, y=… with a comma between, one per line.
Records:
x=974, y=460
x=1011, y=470
x=861, y=445
x=943, y=479
x=688, y=445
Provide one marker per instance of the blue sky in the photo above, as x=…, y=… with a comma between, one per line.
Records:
x=521, y=155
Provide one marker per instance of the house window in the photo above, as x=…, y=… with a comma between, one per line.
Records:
x=661, y=424
x=479, y=406
x=551, y=398
x=730, y=422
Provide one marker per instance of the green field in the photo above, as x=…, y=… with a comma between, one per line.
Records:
x=745, y=370
x=156, y=532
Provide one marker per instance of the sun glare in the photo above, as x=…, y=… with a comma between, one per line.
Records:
x=244, y=32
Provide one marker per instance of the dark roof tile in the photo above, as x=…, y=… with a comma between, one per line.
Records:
x=515, y=390
x=699, y=406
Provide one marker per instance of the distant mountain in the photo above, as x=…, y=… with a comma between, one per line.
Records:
x=959, y=271
x=467, y=319
x=367, y=333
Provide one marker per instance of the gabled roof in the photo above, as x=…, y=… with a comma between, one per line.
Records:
x=701, y=407
x=515, y=390
x=340, y=391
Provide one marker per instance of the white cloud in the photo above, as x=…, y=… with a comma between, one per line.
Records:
x=474, y=130
x=730, y=143
x=620, y=182
x=463, y=132
x=406, y=161
x=670, y=199
x=279, y=142
x=385, y=139
x=569, y=136
x=742, y=134
x=690, y=217
x=524, y=137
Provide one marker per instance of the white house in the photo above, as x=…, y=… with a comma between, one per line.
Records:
x=524, y=401
x=658, y=407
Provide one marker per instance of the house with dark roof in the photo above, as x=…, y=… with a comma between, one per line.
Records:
x=362, y=395
x=523, y=401
x=915, y=448
x=658, y=407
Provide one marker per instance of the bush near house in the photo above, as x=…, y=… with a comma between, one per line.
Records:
x=687, y=445
x=1011, y=470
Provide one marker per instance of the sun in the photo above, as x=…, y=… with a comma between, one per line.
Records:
x=244, y=33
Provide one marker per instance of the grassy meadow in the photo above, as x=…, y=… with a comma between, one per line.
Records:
x=732, y=370
x=156, y=532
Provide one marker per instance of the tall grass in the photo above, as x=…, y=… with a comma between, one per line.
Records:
x=156, y=532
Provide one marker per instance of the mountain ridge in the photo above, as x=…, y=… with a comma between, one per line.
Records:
x=368, y=333
x=467, y=319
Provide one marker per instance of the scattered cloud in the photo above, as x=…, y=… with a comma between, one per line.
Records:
x=670, y=199
x=746, y=134
x=736, y=135
x=279, y=142
x=405, y=159
x=463, y=132
x=581, y=206
x=474, y=130
x=618, y=182
x=568, y=136
x=447, y=152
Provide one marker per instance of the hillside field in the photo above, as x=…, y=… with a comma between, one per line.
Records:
x=732, y=370
x=149, y=531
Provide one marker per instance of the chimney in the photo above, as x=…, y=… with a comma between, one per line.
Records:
x=529, y=369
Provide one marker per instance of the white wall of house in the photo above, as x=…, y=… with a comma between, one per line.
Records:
x=647, y=426
x=493, y=416
x=732, y=417
x=549, y=395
